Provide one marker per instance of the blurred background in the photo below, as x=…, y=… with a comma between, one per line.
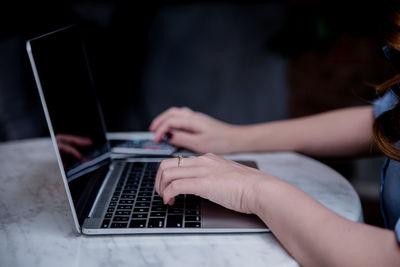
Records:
x=239, y=61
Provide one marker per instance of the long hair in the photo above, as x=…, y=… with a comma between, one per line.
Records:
x=386, y=128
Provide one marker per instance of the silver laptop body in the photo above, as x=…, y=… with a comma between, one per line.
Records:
x=106, y=195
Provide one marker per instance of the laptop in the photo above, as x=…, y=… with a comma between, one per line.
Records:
x=109, y=195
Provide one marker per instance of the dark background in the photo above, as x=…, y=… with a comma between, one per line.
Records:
x=239, y=61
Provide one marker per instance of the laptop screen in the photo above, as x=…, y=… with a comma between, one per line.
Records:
x=63, y=75
x=70, y=97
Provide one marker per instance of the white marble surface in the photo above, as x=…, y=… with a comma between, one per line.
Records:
x=36, y=227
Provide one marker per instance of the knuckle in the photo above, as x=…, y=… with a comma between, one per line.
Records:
x=202, y=157
x=186, y=109
x=167, y=174
x=174, y=186
x=206, y=159
x=173, y=109
x=163, y=165
x=209, y=155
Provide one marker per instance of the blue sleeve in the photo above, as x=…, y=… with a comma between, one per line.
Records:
x=397, y=230
x=385, y=103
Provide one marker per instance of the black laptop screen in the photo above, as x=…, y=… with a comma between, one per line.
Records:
x=75, y=116
x=69, y=94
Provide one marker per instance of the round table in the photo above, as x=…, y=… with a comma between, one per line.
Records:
x=36, y=226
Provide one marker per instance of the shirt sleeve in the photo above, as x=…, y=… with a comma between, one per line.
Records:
x=397, y=230
x=385, y=103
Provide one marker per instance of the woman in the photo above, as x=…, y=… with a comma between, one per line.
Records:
x=318, y=236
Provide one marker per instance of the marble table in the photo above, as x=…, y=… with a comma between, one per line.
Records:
x=36, y=227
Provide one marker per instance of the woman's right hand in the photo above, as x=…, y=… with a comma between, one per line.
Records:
x=219, y=180
x=193, y=130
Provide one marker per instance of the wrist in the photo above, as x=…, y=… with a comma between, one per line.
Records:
x=259, y=194
x=237, y=138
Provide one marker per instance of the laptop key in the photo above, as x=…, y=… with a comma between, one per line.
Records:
x=142, y=204
x=110, y=209
x=119, y=225
x=105, y=223
x=159, y=208
x=157, y=197
x=130, y=187
x=192, y=225
x=192, y=218
x=175, y=210
x=156, y=223
x=129, y=192
x=192, y=212
x=146, y=189
x=126, y=202
x=108, y=215
x=157, y=203
x=124, y=207
x=143, y=199
x=139, y=216
x=132, y=183
x=137, y=224
x=128, y=196
x=157, y=214
x=118, y=188
x=140, y=210
x=120, y=219
x=144, y=194
x=178, y=205
x=123, y=212
x=193, y=206
x=174, y=221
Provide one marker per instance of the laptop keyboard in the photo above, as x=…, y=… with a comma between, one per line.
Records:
x=135, y=204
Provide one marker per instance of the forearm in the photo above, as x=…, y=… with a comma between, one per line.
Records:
x=344, y=132
x=316, y=236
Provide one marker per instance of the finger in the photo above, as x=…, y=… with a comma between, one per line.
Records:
x=175, y=173
x=183, y=186
x=69, y=150
x=171, y=202
x=174, y=111
x=74, y=139
x=164, y=115
x=167, y=163
x=171, y=163
x=183, y=123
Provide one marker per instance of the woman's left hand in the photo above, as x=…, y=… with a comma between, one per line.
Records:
x=222, y=181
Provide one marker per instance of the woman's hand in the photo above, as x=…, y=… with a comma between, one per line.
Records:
x=193, y=130
x=222, y=181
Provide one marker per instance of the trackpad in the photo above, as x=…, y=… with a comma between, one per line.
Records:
x=216, y=216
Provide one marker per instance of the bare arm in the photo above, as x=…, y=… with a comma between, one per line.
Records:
x=316, y=236
x=343, y=132
x=311, y=233
x=338, y=133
